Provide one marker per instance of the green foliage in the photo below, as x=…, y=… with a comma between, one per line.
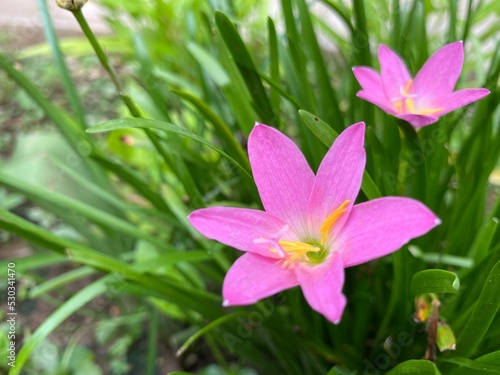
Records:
x=114, y=193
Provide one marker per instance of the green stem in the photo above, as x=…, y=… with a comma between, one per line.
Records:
x=133, y=109
x=103, y=58
x=62, y=68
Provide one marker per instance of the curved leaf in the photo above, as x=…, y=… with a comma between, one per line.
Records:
x=434, y=281
x=412, y=367
x=127, y=123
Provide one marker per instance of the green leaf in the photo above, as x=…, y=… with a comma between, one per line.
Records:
x=474, y=365
x=60, y=281
x=209, y=327
x=434, y=281
x=76, y=302
x=48, y=198
x=484, y=311
x=70, y=129
x=440, y=258
x=412, y=367
x=413, y=165
x=247, y=68
x=328, y=102
x=209, y=64
x=327, y=135
x=34, y=262
x=164, y=126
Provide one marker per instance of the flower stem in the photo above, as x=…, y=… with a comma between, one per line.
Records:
x=133, y=109
x=103, y=58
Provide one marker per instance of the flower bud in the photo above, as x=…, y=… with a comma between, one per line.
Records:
x=72, y=5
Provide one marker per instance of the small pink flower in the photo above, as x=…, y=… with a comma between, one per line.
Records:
x=420, y=101
x=310, y=229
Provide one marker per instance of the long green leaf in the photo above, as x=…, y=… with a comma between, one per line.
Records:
x=75, y=303
x=47, y=198
x=477, y=365
x=166, y=288
x=328, y=102
x=484, y=311
x=75, y=136
x=245, y=63
x=128, y=123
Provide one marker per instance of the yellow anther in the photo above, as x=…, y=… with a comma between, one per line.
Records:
x=409, y=105
x=296, y=250
x=331, y=220
x=399, y=106
x=407, y=88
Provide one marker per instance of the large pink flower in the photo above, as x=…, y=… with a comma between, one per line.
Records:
x=310, y=229
x=420, y=101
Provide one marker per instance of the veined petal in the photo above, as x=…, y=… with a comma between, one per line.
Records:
x=394, y=73
x=369, y=80
x=379, y=100
x=381, y=226
x=419, y=121
x=322, y=287
x=238, y=227
x=281, y=172
x=441, y=71
x=253, y=277
x=460, y=98
x=339, y=176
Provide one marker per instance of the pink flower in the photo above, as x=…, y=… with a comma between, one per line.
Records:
x=310, y=229
x=420, y=101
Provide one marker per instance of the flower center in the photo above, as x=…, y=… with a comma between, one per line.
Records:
x=405, y=103
x=308, y=251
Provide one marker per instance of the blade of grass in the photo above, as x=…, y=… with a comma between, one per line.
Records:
x=63, y=72
x=43, y=197
x=60, y=281
x=328, y=102
x=72, y=305
x=75, y=136
x=484, y=311
x=245, y=63
x=164, y=126
x=171, y=290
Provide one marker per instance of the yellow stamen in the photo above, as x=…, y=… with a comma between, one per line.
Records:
x=332, y=219
x=296, y=250
x=429, y=111
x=399, y=106
x=409, y=105
x=407, y=88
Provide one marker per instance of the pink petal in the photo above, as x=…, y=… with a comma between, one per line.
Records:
x=369, y=80
x=381, y=226
x=322, y=287
x=281, y=172
x=460, y=98
x=373, y=90
x=440, y=72
x=418, y=121
x=339, y=176
x=394, y=73
x=253, y=277
x=237, y=227
x=379, y=101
